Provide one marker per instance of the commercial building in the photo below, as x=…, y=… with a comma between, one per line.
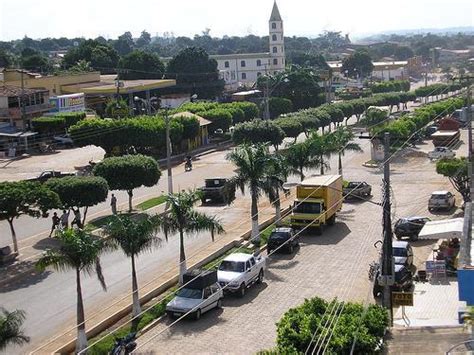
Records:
x=394, y=70
x=244, y=69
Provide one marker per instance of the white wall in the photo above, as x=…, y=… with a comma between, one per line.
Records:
x=3, y=102
x=233, y=73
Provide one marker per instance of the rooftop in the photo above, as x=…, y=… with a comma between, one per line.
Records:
x=238, y=257
x=202, y=120
x=275, y=16
x=107, y=86
x=15, y=91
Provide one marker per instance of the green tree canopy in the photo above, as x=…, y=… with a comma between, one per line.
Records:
x=141, y=65
x=358, y=64
x=100, y=56
x=79, y=191
x=457, y=172
x=195, y=71
x=258, y=131
x=25, y=198
x=129, y=172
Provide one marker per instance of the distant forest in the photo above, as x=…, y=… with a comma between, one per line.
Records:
x=328, y=45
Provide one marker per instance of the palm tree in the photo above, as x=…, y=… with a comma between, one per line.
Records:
x=253, y=163
x=274, y=180
x=134, y=236
x=321, y=147
x=299, y=157
x=79, y=251
x=341, y=142
x=10, y=328
x=182, y=218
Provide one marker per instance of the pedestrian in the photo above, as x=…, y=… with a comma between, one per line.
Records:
x=113, y=204
x=55, y=220
x=65, y=219
x=77, y=218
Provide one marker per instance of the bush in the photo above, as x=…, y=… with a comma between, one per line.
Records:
x=390, y=86
x=258, y=131
x=296, y=328
x=291, y=126
x=57, y=124
x=238, y=115
x=250, y=109
x=220, y=118
x=279, y=106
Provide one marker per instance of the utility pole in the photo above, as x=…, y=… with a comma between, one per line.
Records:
x=387, y=277
x=22, y=101
x=266, y=94
x=168, y=153
x=470, y=152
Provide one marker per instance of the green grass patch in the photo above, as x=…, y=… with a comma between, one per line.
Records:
x=152, y=202
x=104, y=346
x=101, y=221
x=265, y=234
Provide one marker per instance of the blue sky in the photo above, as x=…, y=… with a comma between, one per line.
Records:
x=87, y=18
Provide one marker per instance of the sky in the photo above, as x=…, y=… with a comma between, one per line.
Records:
x=91, y=18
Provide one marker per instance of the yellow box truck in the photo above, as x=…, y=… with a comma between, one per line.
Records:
x=317, y=201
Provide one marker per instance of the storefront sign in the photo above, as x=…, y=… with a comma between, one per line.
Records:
x=67, y=103
x=402, y=298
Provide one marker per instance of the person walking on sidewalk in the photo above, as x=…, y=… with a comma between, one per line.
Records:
x=113, y=204
x=77, y=218
x=65, y=219
x=55, y=220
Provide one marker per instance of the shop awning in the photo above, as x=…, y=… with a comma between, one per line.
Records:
x=443, y=229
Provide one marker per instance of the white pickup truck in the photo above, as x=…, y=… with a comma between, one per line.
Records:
x=239, y=270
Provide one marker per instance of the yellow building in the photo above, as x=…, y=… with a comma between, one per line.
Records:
x=203, y=136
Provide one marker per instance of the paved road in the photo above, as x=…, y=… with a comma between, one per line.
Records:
x=333, y=265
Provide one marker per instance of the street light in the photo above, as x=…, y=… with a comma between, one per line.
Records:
x=267, y=92
x=169, y=147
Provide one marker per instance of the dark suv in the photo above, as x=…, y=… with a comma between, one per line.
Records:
x=283, y=236
x=403, y=281
x=409, y=227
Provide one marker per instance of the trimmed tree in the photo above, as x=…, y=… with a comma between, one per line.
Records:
x=291, y=126
x=79, y=251
x=10, y=328
x=134, y=236
x=25, y=198
x=80, y=191
x=129, y=172
x=457, y=172
x=258, y=131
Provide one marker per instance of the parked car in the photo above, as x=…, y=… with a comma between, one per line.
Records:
x=441, y=152
x=402, y=253
x=430, y=130
x=409, y=227
x=64, y=139
x=217, y=190
x=283, y=239
x=46, y=175
x=238, y=271
x=403, y=281
x=356, y=189
x=441, y=200
x=200, y=293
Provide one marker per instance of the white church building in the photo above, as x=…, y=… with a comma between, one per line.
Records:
x=244, y=69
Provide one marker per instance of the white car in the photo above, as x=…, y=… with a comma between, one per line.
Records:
x=199, y=294
x=441, y=152
x=238, y=271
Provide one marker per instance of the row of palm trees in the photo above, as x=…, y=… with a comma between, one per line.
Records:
x=80, y=251
x=262, y=172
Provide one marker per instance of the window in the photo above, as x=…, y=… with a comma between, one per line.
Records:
x=259, y=63
x=252, y=261
x=274, y=25
x=275, y=49
x=275, y=61
x=226, y=64
x=242, y=63
x=232, y=75
x=244, y=76
x=259, y=74
x=274, y=37
x=247, y=265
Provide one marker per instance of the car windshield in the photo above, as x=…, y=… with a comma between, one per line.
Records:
x=279, y=235
x=399, y=252
x=307, y=207
x=439, y=196
x=234, y=266
x=190, y=293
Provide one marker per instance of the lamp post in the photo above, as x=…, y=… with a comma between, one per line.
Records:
x=267, y=92
x=169, y=147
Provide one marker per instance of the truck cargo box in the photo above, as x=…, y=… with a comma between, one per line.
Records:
x=199, y=279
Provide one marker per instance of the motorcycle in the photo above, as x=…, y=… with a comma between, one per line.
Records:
x=125, y=345
x=188, y=166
